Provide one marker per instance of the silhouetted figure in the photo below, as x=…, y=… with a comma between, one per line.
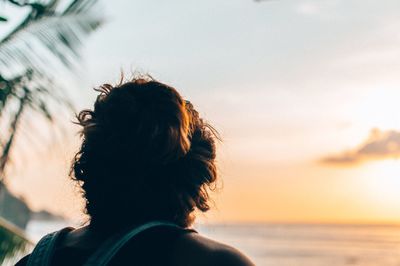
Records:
x=146, y=163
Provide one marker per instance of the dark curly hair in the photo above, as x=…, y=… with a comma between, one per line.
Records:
x=145, y=155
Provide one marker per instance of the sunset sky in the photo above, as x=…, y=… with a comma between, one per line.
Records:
x=306, y=96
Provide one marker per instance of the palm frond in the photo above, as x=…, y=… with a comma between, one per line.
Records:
x=14, y=243
x=47, y=36
x=34, y=92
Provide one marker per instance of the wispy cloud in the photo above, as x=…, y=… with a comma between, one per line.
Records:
x=310, y=8
x=379, y=145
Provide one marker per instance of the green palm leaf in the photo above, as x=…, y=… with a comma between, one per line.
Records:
x=14, y=243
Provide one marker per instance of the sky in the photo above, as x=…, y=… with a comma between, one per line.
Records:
x=304, y=93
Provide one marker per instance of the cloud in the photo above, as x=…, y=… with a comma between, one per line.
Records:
x=311, y=8
x=379, y=145
x=308, y=8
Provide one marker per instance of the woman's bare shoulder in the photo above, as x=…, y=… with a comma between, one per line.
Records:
x=196, y=250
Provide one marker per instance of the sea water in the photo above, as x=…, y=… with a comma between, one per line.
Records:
x=313, y=245
x=296, y=244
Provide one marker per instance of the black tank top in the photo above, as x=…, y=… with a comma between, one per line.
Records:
x=153, y=247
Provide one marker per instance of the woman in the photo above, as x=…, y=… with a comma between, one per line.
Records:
x=146, y=164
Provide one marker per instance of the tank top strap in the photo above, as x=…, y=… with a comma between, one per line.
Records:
x=44, y=250
x=103, y=255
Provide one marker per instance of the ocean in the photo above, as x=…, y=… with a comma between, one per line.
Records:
x=313, y=245
x=297, y=244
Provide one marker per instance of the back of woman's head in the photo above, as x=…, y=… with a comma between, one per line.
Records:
x=146, y=155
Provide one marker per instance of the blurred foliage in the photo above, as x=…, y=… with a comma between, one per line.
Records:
x=13, y=244
x=48, y=36
x=48, y=32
